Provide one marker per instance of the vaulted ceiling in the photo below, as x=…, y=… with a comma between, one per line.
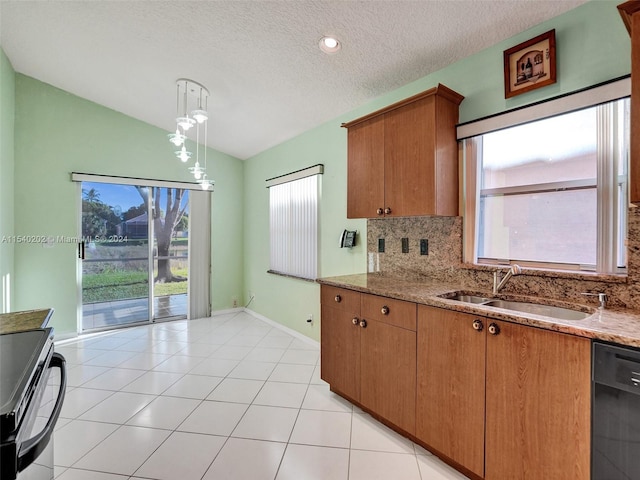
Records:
x=260, y=60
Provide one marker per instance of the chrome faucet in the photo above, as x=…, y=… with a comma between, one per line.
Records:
x=498, y=284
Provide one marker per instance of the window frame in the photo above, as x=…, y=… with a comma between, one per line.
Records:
x=610, y=203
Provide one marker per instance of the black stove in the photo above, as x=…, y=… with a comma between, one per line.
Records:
x=26, y=360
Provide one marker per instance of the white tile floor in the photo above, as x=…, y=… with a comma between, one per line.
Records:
x=229, y=397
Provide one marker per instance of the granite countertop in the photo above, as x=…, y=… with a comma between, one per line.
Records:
x=620, y=326
x=25, y=320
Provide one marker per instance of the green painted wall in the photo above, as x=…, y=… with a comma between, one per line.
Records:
x=592, y=47
x=7, y=113
x=57, y=133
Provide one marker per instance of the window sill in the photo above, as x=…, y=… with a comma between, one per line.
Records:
x=286, y=275
x=550, y=273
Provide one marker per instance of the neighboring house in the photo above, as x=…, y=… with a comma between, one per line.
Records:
x=136, y=227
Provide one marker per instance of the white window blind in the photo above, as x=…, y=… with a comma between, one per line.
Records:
x=293, y=223
x=550, y=193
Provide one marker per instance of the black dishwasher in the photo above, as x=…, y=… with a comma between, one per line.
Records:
x=616, y=413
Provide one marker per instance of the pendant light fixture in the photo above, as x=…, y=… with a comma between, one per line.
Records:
x=190, y=93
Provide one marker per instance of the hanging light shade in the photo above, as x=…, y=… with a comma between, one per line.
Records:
x=197, y=171
x=191, y=111
x=183, y=155
x=200, y=116
x=177, y=138
x=205, y=183
x=185, y=123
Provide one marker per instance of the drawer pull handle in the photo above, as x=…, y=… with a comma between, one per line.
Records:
x=477, y=325
x=387, y=211
x=338, y=298
x=494, y=329
x=363, y=323
x=380, y=211
x=385, y=310
x=355, y=321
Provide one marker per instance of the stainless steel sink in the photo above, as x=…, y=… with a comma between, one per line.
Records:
x=526, y=307
x=537, y=309
x=469, y=298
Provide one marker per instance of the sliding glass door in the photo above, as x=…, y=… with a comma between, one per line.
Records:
x=170, y=251
x=134, y=250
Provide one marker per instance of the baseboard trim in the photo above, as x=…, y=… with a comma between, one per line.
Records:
x=284, y=328
x=67, y=338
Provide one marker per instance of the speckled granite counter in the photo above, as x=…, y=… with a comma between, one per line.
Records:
x=26, y=320
x=613, y=325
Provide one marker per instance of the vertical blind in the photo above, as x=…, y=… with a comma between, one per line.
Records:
x=293, y=224
x=199, y=254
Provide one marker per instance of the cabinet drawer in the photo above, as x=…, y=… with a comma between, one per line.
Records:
x=393, y=312
x=339, y=298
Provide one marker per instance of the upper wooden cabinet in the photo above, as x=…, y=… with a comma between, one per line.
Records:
x=403, y=159
x=630, y=12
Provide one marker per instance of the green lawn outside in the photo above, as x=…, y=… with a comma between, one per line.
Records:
x=120, y=285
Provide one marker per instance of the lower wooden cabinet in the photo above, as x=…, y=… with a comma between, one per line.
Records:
x=504, y=401
x=388, y=373
x=451, y=385
x=538, y=404
x=370, y=357
x=340, y=351
x=500, y=400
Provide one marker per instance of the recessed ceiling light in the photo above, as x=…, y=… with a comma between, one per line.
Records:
x=329, y=44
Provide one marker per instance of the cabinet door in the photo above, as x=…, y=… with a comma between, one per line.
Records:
x=365, y=175
x=340, y=351
x=409, y=147
x=634, y=156
x=451, y=385
x=630, y=12
x=538, y=404
x=388, y=369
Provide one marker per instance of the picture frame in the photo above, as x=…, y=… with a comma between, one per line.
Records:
x=530, y=65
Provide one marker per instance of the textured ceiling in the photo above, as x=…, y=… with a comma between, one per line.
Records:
x=260, y=59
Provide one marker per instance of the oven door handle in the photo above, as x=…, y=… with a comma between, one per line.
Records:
x=30, y=449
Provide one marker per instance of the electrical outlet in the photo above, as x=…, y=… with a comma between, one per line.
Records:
x=251, y=295
x=424, y=246
x=381, y=245
x=234, y=301
x=405, y=245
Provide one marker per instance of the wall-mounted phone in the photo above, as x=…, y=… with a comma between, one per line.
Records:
x=348, y=239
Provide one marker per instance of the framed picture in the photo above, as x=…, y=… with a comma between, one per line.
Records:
x=530, y=65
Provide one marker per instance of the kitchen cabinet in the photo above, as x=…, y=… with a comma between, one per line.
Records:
x=402, y=160
x=340, y=345
x=451, y=385
x=508, y=401
x=630, y=12
x=370, y=356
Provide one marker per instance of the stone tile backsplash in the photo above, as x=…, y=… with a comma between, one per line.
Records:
x=444, y=261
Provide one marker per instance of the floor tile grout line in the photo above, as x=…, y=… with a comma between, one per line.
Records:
x=291, y=433
x=227, y=376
